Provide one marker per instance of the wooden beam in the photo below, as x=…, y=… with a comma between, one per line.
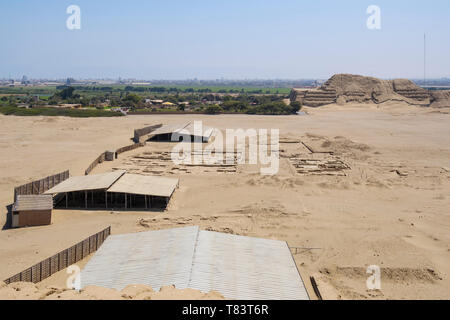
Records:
x=315, y=287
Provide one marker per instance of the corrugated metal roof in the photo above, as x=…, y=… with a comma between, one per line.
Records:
x=236, y=266
x=206, y=134
x=90, y=182
x=155, y=258
x=170, y=128
x=185, y=128
x=245, y=268
x=33, y=202
x=145, y=185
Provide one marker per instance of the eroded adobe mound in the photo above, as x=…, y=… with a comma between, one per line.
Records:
x=347, y=88
x=440, y=99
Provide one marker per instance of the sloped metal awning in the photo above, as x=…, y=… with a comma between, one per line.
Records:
x=90, y=182
x=170, y=128
x=245, y=268
x=236, y=266
x=155, y=258
x=184, y=129
x=145, y=185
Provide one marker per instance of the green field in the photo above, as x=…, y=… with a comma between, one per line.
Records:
x=146, y=89
x=76, y=113
x=28, y=90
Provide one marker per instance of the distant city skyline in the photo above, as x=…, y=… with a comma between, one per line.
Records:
x=20, y=78
x=233, y=40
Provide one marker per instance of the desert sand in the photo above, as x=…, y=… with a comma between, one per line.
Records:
x=391, y=208
x=31, y=291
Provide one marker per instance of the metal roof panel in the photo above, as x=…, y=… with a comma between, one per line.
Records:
x=89, y=182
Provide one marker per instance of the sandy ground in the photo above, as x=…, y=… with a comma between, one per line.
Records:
x=31, y=291
x=391, y=209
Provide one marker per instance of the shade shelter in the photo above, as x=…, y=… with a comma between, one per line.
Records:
x=115, y=190
x=181, y=132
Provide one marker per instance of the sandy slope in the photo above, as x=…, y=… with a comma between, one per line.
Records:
x=30, y=291
x=373, y=216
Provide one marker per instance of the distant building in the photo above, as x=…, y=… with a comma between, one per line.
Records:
x=25, y=81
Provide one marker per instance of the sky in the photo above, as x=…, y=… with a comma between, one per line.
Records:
x=230, y=39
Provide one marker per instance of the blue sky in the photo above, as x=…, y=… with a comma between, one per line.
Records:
x=179, y=39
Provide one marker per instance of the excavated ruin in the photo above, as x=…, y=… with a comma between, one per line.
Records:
x=347, y=88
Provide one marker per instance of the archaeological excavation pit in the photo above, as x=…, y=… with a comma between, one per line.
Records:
x=328, y=166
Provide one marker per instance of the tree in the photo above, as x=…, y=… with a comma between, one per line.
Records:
x=213, y=109
x=66, y=93
x=296, y=106
x=273, y=108
x=133, y=98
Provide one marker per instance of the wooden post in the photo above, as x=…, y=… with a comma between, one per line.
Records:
x=125, y=200
x=106, y=199
x=67, y=201
x=146, y=207
x=85, y=198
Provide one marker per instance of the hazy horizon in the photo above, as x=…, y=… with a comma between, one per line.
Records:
x=236, y=40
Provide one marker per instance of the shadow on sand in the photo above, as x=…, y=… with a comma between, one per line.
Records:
x=8, y=222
